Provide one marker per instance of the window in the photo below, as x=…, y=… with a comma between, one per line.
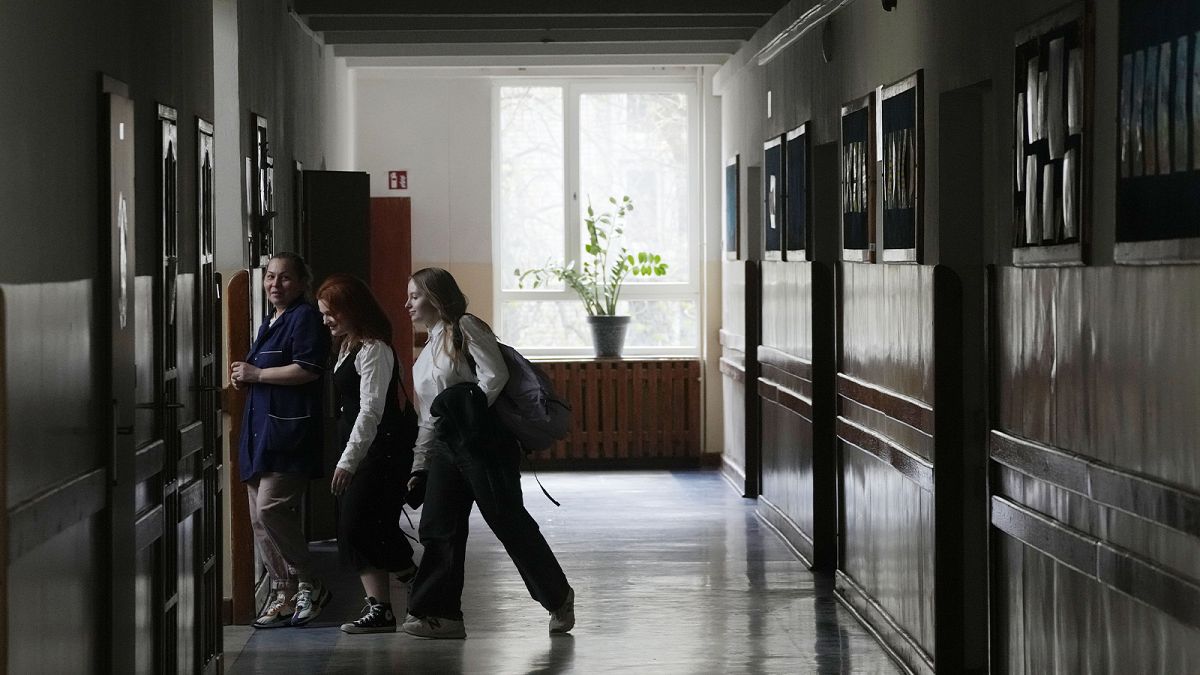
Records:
x=560, y=144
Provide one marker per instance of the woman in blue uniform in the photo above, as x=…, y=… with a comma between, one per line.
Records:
x=280, y=447
x=377, y=437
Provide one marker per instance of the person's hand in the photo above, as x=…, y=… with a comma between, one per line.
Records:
x=241, y=372
x=341, y=481
x=416, y=490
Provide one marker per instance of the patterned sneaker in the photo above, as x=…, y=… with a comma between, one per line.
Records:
x=562, y=620
x=435, y=628
x=377, y=618
x=310, y=599
x=278, y=613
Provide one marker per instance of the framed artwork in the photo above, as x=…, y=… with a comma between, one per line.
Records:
x=1051, y=110
x=732, y=204
x=1158, y=133
x=857, y=187
x=795, y=199
x=262, y=225
x=299, y=226
x=168, y=206
x=901, y=132
x=773, y=216
x=206, y=236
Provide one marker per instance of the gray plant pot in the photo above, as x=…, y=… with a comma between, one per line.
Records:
x=608, y=334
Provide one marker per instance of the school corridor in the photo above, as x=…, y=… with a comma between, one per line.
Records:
x=673, y=572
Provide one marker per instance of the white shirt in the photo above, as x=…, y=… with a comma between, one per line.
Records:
x=434, y=371
x=374, y=363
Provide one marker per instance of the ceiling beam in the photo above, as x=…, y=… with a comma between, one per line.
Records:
x=423, y=22
x=527, y=7
x=537, y=36
x=537, y=50
x=537, y=64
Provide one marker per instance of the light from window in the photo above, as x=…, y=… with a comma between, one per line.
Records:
x=530, y=180
x=596, y=142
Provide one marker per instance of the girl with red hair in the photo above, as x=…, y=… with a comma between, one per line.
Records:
x=377, y=437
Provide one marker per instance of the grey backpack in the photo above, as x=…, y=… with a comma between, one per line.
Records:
x=528, y=405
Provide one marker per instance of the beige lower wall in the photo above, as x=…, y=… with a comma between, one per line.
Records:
x=713, y=440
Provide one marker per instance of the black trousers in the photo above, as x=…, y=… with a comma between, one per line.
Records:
x=491, y=479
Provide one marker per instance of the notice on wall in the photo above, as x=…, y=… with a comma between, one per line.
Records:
x=397, y=180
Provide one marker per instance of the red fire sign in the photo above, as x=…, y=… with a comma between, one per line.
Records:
x=397, y=180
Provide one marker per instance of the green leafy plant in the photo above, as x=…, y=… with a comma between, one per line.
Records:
x=598, y=279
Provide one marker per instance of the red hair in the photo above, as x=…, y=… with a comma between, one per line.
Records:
x=354, y=305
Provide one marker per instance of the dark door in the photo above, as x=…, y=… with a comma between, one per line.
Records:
x=337, y=214
x=120, y=300
x=206, y=338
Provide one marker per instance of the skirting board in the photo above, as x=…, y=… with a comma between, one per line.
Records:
x=895, y=640
x=734, y=475
x=787, y=529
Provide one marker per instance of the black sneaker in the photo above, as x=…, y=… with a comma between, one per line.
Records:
x=377, y=618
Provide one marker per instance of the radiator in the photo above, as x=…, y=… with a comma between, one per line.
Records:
x=628, y=412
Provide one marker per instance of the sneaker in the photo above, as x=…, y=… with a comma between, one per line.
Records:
x=278, y=612
x=433, y=627
x=377, y=618
x=562, y=620
x=310, y=600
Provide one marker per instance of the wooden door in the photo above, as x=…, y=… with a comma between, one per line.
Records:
x=119, y=298
x=177, y=488
x=206, y=338
x=391, y=266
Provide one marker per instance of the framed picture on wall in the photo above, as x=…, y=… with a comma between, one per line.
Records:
x=1051, y=109
x=262, y=229
x=168, y=206
x=795, y=199
x=901, y=132
x=1158, y=132
x=773, y=216
x=857, y=186
x=732, y=205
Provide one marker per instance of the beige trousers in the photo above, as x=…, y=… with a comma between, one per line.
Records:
x=275, y=500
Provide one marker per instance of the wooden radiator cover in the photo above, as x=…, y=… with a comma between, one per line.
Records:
x=632, y=412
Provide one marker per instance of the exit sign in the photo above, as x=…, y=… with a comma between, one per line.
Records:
x=397, y=180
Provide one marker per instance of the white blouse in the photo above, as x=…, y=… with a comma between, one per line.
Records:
x=374, y=363
x=434, y=371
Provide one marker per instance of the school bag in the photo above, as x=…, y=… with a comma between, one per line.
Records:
x=528, y=405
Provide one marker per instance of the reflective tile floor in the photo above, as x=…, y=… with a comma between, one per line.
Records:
x=672, y=572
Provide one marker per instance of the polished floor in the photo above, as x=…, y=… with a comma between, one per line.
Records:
x=673, y=573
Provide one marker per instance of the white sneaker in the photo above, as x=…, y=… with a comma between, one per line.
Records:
x=310, y=599
x=435, y=628
x=278, y=613
x=562, y=620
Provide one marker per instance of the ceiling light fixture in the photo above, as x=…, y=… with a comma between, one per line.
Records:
x=807, y=21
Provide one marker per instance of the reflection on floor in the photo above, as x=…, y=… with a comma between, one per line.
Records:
x=672, y=571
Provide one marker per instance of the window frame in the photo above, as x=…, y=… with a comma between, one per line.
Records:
x=572, y=90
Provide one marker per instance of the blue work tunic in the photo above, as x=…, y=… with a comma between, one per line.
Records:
x=281, y=425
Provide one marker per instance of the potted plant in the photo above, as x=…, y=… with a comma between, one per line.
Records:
x=598, y=279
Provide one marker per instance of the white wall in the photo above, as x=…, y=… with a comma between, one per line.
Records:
x=338, y=113
x=439, y=130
